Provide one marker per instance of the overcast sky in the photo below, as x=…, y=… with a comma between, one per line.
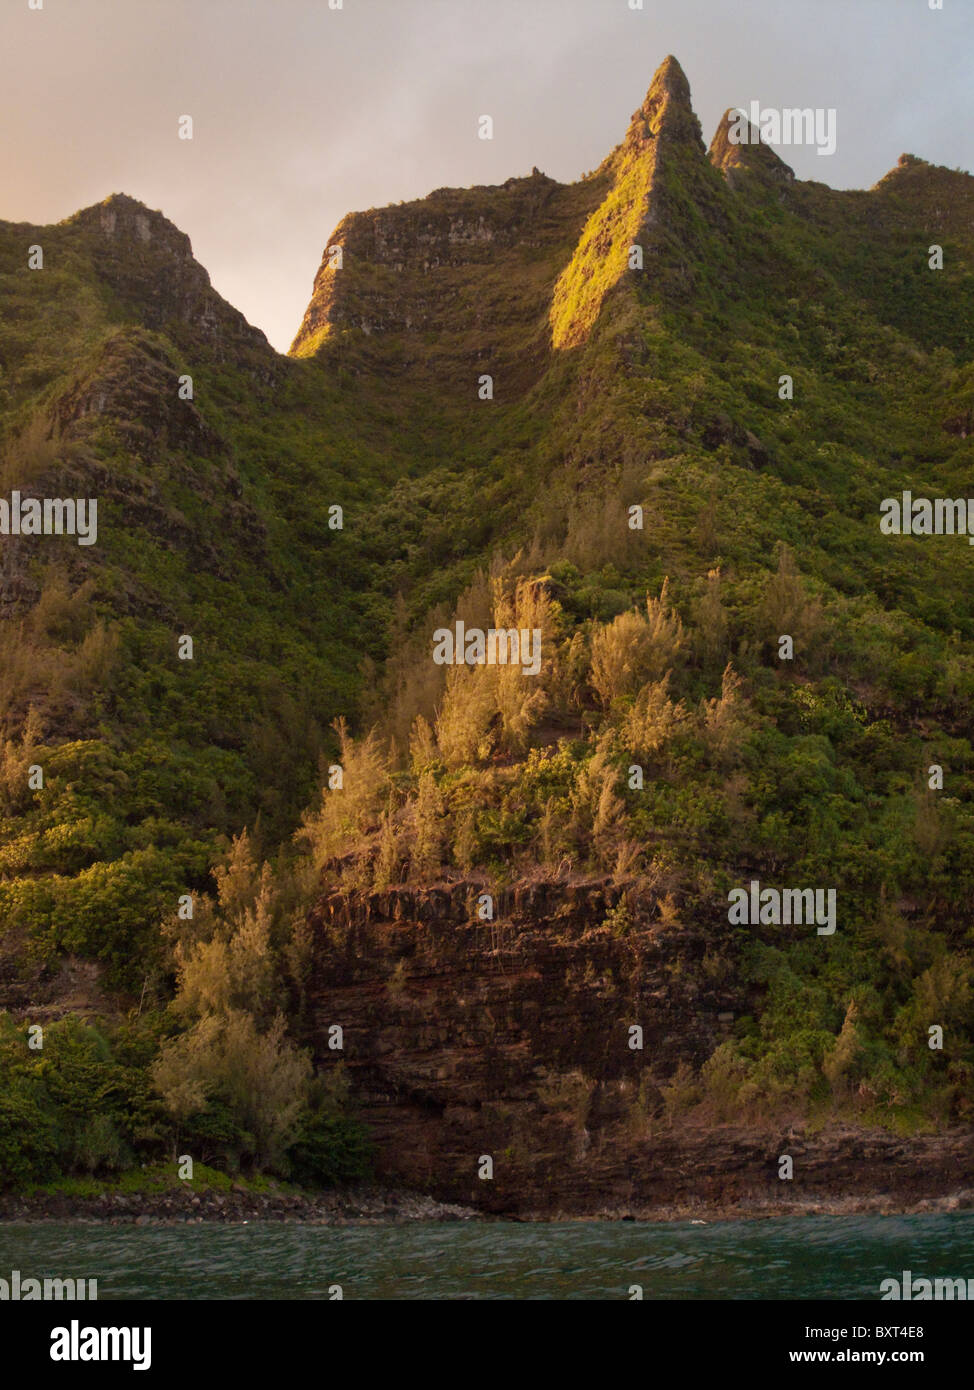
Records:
x=303, y=113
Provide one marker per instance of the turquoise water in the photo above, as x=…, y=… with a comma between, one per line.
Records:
x=808, y=1257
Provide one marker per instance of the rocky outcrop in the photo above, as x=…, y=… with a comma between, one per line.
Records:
x=34, y=993
x=456, y=283
x=149, y=264
x=510, y=1040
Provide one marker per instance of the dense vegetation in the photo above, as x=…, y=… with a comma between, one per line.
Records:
x=661, y=644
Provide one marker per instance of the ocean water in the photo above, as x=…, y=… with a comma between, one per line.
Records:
x=828, y=1257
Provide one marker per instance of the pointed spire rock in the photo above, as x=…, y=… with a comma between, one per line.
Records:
x=737, y=146
x=666, y=110
x=631, y=221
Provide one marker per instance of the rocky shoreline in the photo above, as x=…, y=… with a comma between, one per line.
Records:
x=757, y=1209
x=341, y=1207
x=383, y=1206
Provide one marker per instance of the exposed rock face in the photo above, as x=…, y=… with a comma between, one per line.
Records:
x=38, y=994
x=463, y=278
x=666, y=112
x=510, y=1039
x=149, y=262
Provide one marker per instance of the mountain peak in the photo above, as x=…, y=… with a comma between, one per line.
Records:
x=669, y=78
x=149, y=263
x=663, y=134
x=751, y=154
x=666, y=109
x=123, y=216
